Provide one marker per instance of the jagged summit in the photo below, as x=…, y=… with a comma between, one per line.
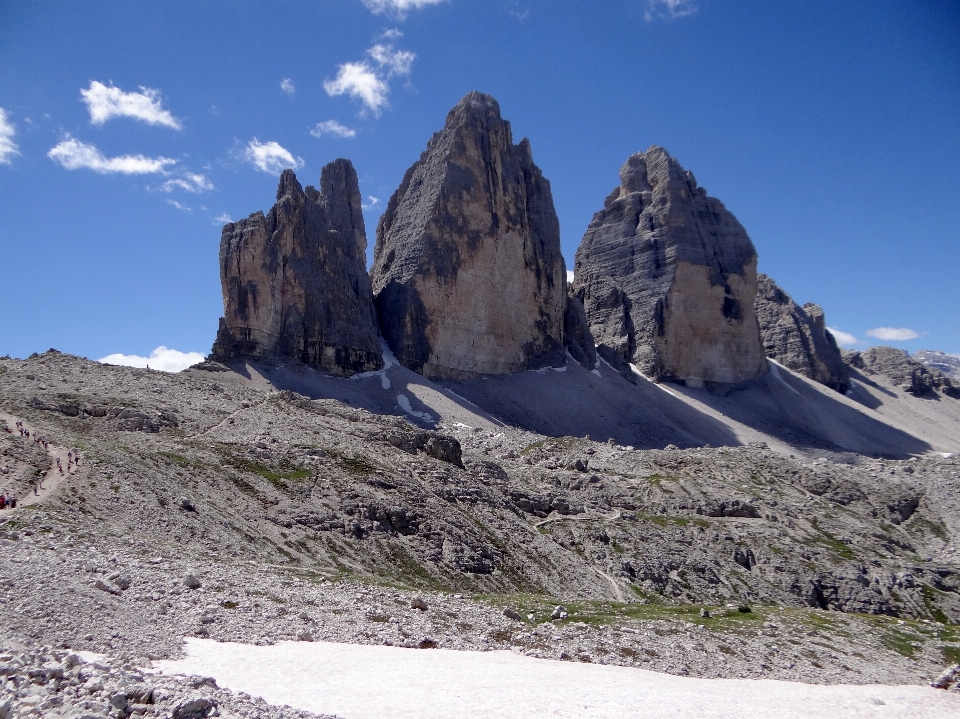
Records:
x=468, y=278
x=668, y=278
x=294, y=281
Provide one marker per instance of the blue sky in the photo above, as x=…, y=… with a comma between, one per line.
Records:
x=131, y=129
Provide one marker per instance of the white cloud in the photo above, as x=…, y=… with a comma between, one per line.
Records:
x=398, y=62
x=332, y=127
x=223, y=218
x=183, y=208
x=286, y=84
x=8, y=148
x=105, y=103
x=270, y=157
x=669, y=9
x=893, y=334
x=569, y=275
x=359, y=81
x=162, y=358
x=190, y=181
x=391, y=34
x=75, y=155
x=397, y=8
x=372, y=202
x=844, y=339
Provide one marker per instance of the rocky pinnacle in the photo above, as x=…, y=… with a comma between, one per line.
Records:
x=668, y=278
x=468, y=278
x=294, y=281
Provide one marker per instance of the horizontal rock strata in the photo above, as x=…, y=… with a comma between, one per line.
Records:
x=668, y=279
x=294, y=280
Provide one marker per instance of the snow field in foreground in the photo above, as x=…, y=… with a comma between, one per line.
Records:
x=366, y=682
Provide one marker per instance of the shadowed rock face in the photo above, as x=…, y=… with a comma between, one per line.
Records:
x=294, y=281
x=797, y=337
x=468, y=278
x=668, y=278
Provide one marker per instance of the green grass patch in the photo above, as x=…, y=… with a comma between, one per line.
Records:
x=357, y=465
x=825, y=538
x=930, y=599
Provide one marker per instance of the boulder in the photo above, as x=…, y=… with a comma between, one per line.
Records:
x=294, y=280
x=468, y=278
x=668, y=279
x=797, y=337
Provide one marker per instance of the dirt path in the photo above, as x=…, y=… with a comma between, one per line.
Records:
x=615, y=514
x=52, y=479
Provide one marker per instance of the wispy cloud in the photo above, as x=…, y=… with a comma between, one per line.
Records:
x=75, y=155
x=359, y=81
x=105, y=103
x=190, y=182
x=391, y=34
x=893, y=334
x=286, y=84
x=183, y=208
x=367, y=80
x=223, y=218
x=669, y=9
x=396, y=62
x=162, y=358
x=332, y=127
x=8, y=148
x=397, y=8
x=372, y=202
x=844, y=339
x=270, y=157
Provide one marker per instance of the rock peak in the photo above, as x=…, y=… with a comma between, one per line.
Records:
x=668, y=278
x=467, y=276
x=294, y=281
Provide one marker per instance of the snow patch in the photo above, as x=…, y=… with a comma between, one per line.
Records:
x=405, y=405
x=389, y=360
x=361, y=681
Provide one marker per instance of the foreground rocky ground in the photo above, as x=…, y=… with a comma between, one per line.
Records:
x=205, y=509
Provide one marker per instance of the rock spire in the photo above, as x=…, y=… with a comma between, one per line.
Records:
x=668, y=278
x=294, y=281
x=468, y=278
x=797, y=337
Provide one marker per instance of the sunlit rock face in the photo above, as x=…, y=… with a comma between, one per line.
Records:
x=294, y=281
x=467, y=277
x=668, y=278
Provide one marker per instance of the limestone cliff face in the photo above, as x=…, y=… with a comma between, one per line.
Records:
x=468, y=278
x=797, y=337
x=908, y=374
x=668, y=278
x=294, y=281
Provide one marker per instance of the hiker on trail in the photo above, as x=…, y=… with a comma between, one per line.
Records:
x=12, y=502
x=3, y=502
x=36, y=484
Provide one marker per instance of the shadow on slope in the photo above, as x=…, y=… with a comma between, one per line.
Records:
x=806, y=415
x=571, y=401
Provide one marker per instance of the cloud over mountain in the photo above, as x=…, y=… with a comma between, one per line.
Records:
x=270, y=157
x=75, y=155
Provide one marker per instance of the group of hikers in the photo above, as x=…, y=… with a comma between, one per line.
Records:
x=73, y=460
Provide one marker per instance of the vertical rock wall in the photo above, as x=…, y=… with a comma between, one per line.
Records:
x=468, y=278
x=294, y=281
x=668, y=278
x=797, y=337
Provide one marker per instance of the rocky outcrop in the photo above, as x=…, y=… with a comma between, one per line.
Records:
x=294, y=281
x=908, y=374
x=668, y=278
x=797, y=337
x=949, y=365
x=576, y=334
x=468, y=278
